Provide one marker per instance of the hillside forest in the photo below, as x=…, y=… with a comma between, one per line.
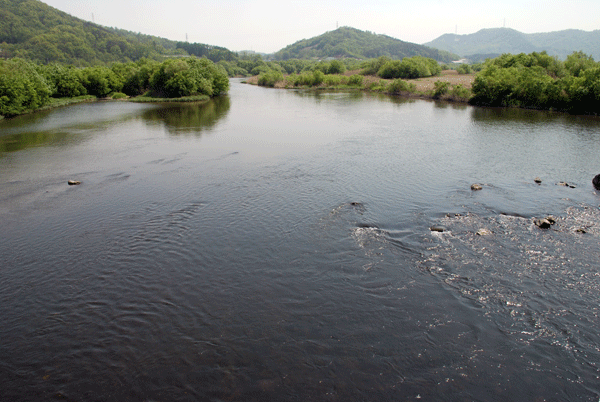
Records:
x=48, y=57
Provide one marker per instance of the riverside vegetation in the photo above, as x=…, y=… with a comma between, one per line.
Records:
x=26, y=86
x=535, y=80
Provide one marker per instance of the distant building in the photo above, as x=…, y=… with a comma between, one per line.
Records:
x=461, y=61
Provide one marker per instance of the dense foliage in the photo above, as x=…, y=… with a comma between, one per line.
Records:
x=26, y=86
x=540, y=81
x=188, y=77
x=410, y=67
x=22, y=87
x=32, y=30
x=346, y=42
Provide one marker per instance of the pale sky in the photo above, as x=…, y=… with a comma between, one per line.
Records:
x=268, y=26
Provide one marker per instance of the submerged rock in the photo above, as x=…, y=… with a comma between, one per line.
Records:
x=565, y=184
x=483, y=232
x=476, y=187
x=73, y=182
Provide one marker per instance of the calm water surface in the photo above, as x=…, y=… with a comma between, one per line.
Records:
x=275, y=245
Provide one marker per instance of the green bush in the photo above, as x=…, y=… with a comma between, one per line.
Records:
x=410, y=67
x=464, y=69
x=440, y=88
x=270, y=78
x=118, y=95
x=189, y=77
x=22, y=87
x=398, y=86
x=336, y=67
x=355, y=80
x=333, y=80
x=460, y=93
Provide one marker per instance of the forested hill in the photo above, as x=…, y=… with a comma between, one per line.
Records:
x=351, y=42
x=35, y=31
x=495, y=41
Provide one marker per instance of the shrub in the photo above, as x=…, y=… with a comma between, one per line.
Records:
x=318, y=78
x=22, y=88
x=336, y=67
x=118, y=95
x=410, y=67
x=398, y=86
x=332, y=80
x=189, y=77
x=461, y=93
x=355, y=80
x=440, y=88
x=464, y=69
x=270, y=78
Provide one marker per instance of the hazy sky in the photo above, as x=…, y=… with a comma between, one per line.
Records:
x=267, y=26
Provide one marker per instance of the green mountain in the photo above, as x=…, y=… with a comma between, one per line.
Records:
x=495, y=41
x=35, y=31
x=351, y=42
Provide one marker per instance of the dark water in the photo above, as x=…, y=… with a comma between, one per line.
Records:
x=275, y=245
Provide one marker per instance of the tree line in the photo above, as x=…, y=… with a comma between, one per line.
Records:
x=540, y=81
x=26, y=86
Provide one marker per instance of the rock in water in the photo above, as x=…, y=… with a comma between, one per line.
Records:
x=538, y=180
x=542, y=223
x=437, y=228
x=73, y=182
x=596, y=182
x=476, y=187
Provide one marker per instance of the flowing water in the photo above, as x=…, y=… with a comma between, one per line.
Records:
x=276, y=245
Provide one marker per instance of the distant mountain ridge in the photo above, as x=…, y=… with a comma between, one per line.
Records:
x=36, y=31
x=352, y=42
x=495, y=41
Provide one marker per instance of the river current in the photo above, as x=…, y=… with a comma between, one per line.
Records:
x=276, y=245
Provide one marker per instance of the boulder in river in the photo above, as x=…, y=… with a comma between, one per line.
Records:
x=538, y=180
x=476, y=187
x=596, y=182
x=543, y=223
x=437, y=228
x=565, y=184
x=73, y=182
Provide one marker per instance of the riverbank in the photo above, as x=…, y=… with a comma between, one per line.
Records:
x=60, y=102
x=418, y=88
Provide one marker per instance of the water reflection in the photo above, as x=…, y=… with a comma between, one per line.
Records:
x=190, y=118
x=18, y=142
x=499, y=116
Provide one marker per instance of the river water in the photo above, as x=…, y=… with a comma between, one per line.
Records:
x=276, y=245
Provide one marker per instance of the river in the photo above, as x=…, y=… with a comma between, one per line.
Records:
x=276, y=245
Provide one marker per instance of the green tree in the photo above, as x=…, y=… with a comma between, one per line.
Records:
x=22, y=87
x=192, y=76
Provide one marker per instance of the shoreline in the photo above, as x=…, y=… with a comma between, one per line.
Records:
x=425, y=87
x=56, y=103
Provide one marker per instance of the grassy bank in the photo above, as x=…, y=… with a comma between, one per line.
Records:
x=449, y=85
